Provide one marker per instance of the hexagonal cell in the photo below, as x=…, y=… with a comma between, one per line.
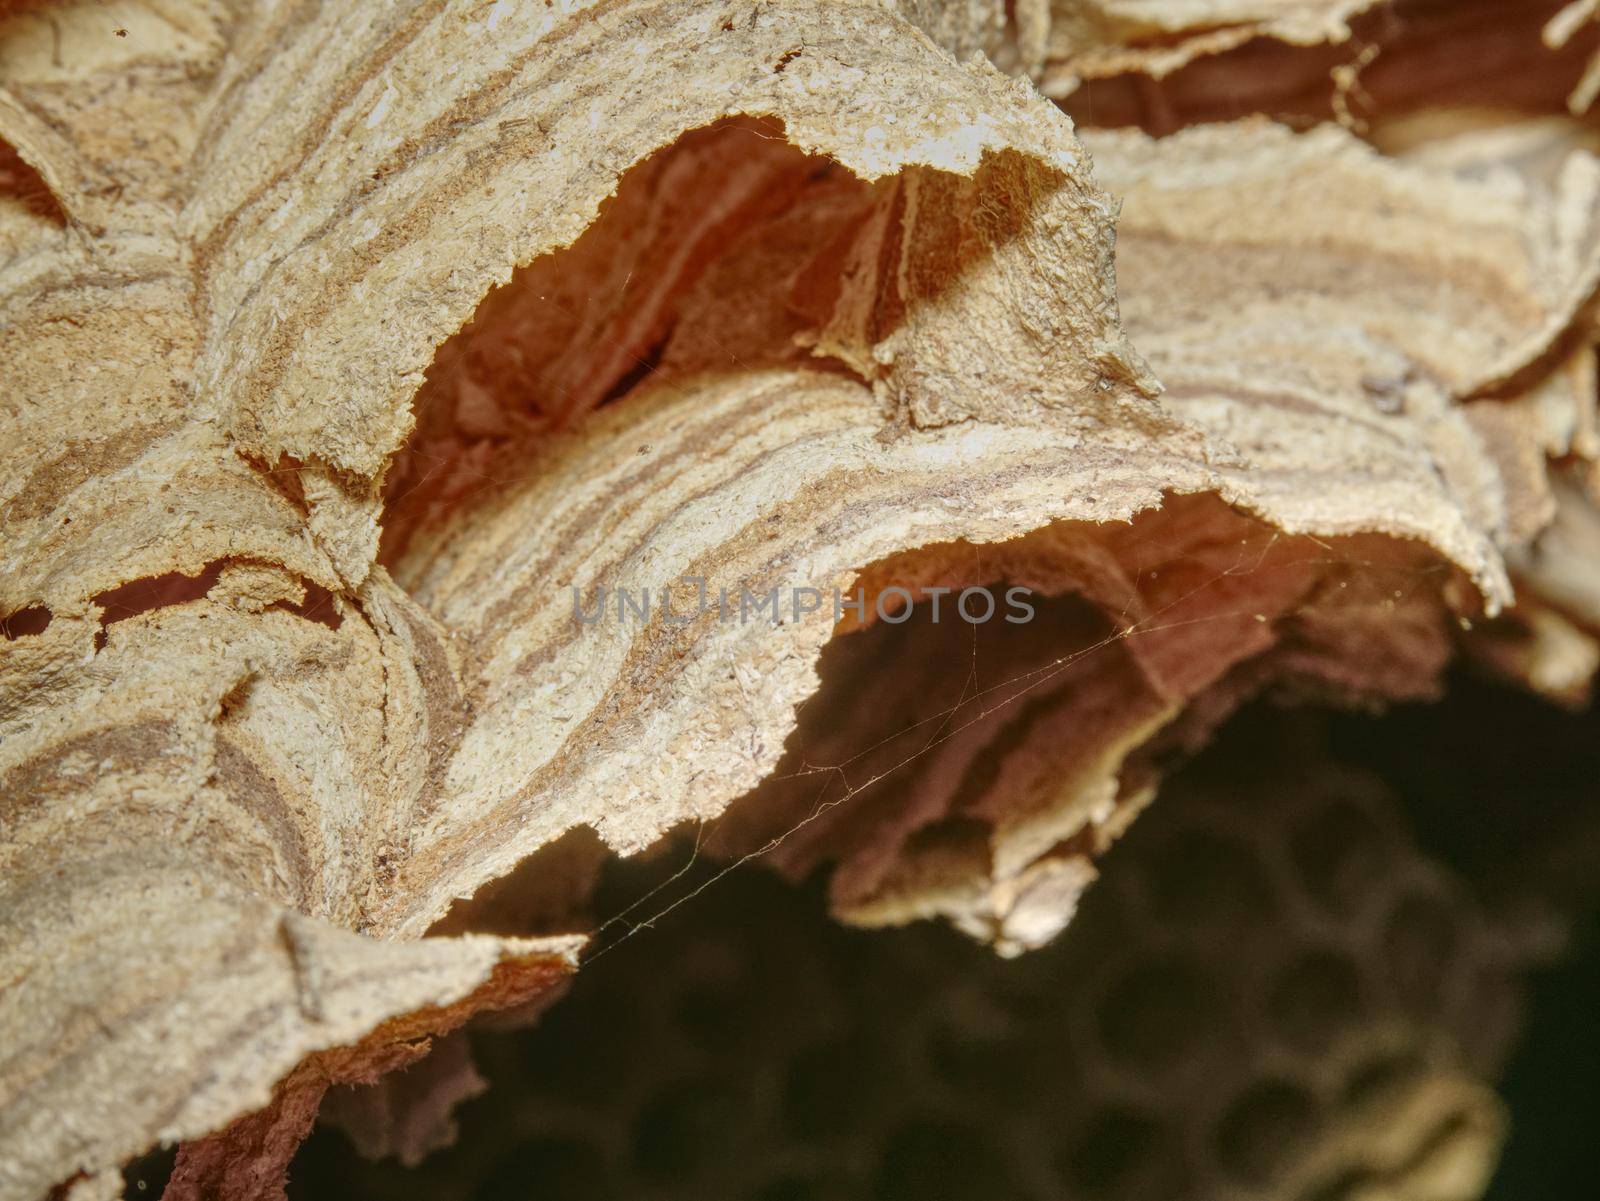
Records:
x=1342, y=856
x=1314, y=998
x=1263, y=1131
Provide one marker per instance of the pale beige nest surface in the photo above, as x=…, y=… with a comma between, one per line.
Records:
x=341, y=343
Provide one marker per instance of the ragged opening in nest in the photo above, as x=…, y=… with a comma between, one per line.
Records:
x=1401, y=58
x=976, y=771
x=694, y=264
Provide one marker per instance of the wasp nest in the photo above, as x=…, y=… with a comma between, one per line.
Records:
x=387, y=387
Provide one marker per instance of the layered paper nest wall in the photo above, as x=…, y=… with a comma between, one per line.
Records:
x=341, y=344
